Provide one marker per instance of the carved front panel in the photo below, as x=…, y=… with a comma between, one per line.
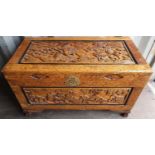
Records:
x=79, y=52
x=77, y=95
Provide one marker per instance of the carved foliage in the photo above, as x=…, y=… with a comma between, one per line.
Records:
x=76, y=95
x=104, y=52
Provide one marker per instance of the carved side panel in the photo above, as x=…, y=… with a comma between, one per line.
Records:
x=83, y=52
x=76, y=95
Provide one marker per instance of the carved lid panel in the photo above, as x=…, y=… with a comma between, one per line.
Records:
x=77, y=52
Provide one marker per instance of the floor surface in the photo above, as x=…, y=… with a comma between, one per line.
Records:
x=9, y=109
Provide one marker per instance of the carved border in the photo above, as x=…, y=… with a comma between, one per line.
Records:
x=125, y=102
x=123, y=41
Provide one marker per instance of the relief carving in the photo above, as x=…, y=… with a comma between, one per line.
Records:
x=77, y=95
x=100, y=52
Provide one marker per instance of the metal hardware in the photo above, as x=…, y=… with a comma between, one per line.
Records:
x=72, y=81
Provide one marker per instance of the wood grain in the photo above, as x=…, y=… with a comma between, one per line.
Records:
x=76, y=95
x=88, y=75
x=85, y=79
x=79, y=52
x=34, y=108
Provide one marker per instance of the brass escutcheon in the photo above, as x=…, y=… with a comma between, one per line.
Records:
x=72, y=81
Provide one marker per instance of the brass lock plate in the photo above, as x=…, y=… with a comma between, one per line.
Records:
x=72, y=81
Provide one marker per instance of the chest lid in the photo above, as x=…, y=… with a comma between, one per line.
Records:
x=77, y=50
x=91, y=54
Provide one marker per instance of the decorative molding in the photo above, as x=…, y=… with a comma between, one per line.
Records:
x=78, y=52
x=80, y=96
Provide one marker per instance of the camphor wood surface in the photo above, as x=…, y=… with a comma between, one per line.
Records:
x=113, y=64
x=88, y=75
x=77, y=95
x=83, y=52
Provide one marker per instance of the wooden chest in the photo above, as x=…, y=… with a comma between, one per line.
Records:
x=77, y=73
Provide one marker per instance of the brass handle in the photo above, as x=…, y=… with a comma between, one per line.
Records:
x=113, y=77
x=72, y=81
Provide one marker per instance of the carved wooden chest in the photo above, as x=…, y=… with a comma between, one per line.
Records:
x=77, y=73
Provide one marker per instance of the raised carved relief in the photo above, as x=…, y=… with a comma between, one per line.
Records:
x=76, y=95
x=85, y=52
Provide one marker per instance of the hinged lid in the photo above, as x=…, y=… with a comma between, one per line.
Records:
x=84, y=54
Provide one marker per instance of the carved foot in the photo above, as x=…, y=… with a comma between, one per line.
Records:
x=27, y=113
x=125, y=114
x=30, y=112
